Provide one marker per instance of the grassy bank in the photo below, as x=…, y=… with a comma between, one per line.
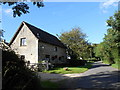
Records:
x=113, y=65
x=60, y=70
x=116, y=66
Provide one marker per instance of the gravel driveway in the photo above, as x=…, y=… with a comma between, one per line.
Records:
x=100, y=76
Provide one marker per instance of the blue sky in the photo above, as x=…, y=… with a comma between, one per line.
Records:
x=58, y=17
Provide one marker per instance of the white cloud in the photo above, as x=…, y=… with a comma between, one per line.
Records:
x=105, y=5
x=109, y=3
x=8, y=11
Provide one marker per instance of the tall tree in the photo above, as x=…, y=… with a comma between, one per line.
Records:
x=76, y=43
x=109, y=49
x=112, y=38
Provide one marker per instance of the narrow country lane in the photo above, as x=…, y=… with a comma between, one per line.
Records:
x=100, y=76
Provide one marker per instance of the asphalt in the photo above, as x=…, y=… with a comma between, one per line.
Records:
x=100, y=76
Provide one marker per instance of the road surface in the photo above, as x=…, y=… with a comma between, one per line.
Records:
x=100, y=76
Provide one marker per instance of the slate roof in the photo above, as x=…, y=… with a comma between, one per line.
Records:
x=41, y=35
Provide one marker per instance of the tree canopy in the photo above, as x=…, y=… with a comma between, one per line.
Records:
x=77, y=45
x=20, y=8
x=109, y=49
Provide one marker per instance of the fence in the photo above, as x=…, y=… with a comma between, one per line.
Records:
x=45, y=65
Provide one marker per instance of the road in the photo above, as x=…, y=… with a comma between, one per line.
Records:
x=100, y=76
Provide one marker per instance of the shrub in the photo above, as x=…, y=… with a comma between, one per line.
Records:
x=16, y=75
x=77, y=62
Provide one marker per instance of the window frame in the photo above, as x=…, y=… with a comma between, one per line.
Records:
x=23, y=42
x=55, y=49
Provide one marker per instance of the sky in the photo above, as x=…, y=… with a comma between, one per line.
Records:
x=58, y=17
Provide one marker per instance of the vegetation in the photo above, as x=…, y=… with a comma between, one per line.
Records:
x=16, y=75
x=116, y=66
x=61, y=70
x=20, y=8
x=109, y=49
x=77, y=45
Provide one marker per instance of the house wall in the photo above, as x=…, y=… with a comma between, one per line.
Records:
x=31, y=49
x=48, y=49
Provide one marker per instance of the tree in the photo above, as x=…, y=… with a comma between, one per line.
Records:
x=77, y=46
x=112, y=38
x=102, y=50
x=20, y=8
x=109, y=49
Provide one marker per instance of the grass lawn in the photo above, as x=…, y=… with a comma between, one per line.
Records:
x=70, y=70
x=116, y=66
x=48, y=84
x=113, y=65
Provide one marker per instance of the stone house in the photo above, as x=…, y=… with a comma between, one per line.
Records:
x=34, y=45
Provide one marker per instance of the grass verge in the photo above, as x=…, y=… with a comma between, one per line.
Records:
x=113, y=65
x=70, y=70
x=116, y=66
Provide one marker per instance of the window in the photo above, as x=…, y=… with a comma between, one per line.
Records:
x=42, y=47
x=22, y=57
x=61, y=58
x=23, y=42
x=54, y=57
x=55, y=49
x=47, y=57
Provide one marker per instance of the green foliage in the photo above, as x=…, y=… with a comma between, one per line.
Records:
x=116, y=66
x=109, y=49
x=20, y=8
x=15, y=74
x=77, y=46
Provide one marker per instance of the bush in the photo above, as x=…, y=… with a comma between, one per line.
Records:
x=72, y=63
x=94, y=59
x=77, y=62
x=16, y=75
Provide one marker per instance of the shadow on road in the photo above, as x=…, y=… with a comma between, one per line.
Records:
x=101, y=65
x=100, y=76
x=102, y=80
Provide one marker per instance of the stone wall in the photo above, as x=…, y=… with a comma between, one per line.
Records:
x=51, y=52
x=31, y=49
